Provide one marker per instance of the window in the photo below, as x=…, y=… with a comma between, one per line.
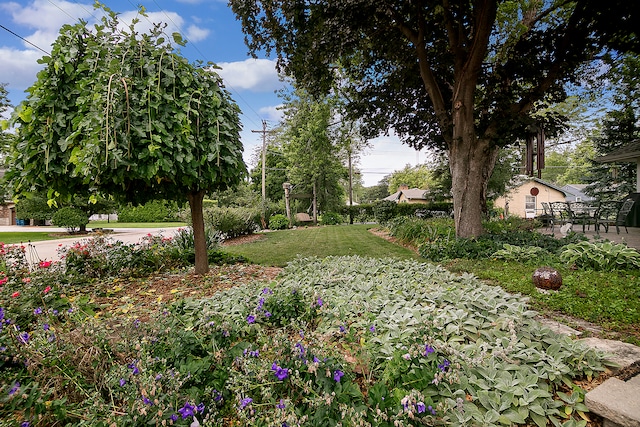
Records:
x=530, y=206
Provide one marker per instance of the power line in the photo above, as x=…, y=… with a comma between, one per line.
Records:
x=25, y=40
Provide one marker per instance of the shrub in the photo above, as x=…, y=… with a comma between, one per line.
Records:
x=520, y=253
x=232, y=222
x=153, y=211
x=384, y=210
x=416, y=231
x=278, y=222
x=70, y=218
x=605, y=256
x=332, y=218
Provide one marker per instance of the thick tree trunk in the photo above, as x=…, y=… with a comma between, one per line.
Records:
x=471, y=161
x=199, y=241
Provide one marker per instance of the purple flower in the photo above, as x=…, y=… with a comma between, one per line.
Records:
x=316, y=360
x=260, y=303
x=372, y=328
x=174, y=417
x=343, y=329
x=158, y=377
x=281, y=405
x=217, y=396
x=24, y=338
x=200, y=407
x=146, y=401
x=266, y=291
x=37, y=311
x=186, y=411
x=15, y=388
x=267, y=314
x=244, y=402
x=337, y=374
x=122, y=382
x=319, y=302
x=280, y=373
x=430, y=408
x=45, y=326
x=300, y=347
x=134, y=368
x=428, y=350
x=24, y=424
x=444, y=365
x=251, y=318
x=136, y=323
x=420, y=407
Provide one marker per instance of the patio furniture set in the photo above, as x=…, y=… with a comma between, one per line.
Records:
x=604, y=213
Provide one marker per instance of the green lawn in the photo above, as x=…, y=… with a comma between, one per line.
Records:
x=279, y=247
x=11, y=237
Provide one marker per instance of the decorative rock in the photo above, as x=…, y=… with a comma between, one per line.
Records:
x=547, y=278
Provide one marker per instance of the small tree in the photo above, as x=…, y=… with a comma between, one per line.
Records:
x=73, y=219
x=118, y=112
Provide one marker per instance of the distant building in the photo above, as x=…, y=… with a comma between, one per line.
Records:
x=526, y=195
x=575, y=193
x=408, y=195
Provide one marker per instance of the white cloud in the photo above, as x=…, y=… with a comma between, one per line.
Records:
x=19, y=68
x=48, y=16
x=257, y=75
x=195, y=34
x=272, y=113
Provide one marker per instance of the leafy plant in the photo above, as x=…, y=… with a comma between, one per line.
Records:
x=332, y=218
x=520, y=253
x=601, y=256
x=278, y=222
x=232, y=222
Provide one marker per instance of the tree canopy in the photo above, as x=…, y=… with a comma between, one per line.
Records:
x=119, y=112
x=467, y=77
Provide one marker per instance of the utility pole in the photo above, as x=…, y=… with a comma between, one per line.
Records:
x=264, y=133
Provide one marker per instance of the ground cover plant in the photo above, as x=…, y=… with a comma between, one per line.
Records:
x=601, y=280
x=350, y=340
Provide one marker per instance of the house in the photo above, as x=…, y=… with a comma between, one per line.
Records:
x=575, y=193
x=526, y=195
x=408, y=195
x=8, y=213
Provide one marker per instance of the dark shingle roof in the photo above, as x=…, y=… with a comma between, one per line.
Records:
x=627, y=153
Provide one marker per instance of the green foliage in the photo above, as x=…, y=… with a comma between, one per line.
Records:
x=604, y=256
x=152, y=211
x=72, y=219
x=384, y=210
x=415, y=231
x=359, y=213
x=520, y=253
x=278, y=222
x=232, y=222
x=413, y=177
x=331, y=218
x=35, y=207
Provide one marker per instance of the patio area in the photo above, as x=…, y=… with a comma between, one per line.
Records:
x=632, y=238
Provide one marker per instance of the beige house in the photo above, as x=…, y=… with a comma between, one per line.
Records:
x=525, y=198
x=408, y=195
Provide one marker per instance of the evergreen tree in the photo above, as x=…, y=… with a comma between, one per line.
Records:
x=620, y=127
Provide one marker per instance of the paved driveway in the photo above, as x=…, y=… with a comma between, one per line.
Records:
x=48, y=249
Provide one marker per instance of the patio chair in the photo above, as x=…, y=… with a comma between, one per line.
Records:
x=583, y=213
x=560, y=213
x=607, y=214
x=623, y=213
x=547, y=217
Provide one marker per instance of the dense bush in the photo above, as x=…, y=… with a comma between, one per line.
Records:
x=278, y=222
x=415, y=231
x=362, y=213
x=384, y=210
x=232, y=222
x=331, y=218
x=153, y=211
x=72, y=219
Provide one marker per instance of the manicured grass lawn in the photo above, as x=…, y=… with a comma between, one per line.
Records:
x=12, y=237
x=279, y=247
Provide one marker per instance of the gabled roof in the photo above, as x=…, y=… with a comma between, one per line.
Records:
x=410, y=194
x=523, y=179
x=627, y=153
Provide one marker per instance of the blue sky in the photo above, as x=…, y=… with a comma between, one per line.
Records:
x=213, y=34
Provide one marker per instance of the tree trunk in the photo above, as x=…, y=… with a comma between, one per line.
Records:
x=199, y=241
x=471, y=161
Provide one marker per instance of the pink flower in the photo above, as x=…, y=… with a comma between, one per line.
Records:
x=15, y=294
x=45, y=264
x=26, y=279
x=47, y=289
